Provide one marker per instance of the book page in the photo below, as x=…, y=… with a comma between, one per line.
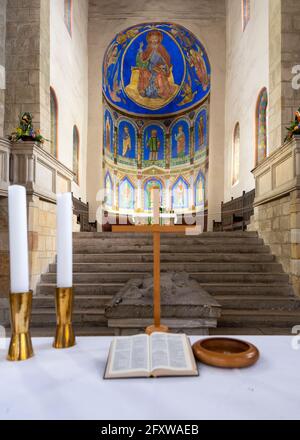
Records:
x=129, y=354
x=170, y=351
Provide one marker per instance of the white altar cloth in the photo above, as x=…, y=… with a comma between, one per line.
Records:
x=68, y=384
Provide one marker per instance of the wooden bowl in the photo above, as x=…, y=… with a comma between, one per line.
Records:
x=226, y=352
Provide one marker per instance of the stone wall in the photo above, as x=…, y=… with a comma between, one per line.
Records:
x=206, y=19
x=247, y=72
x=2, y=61
x=272, y=221
x=27, y=63
x=4, y=254
x=42, y=237
x=277, y=206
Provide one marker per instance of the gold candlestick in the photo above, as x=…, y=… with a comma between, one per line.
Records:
x=64, y=337
x=20, y=347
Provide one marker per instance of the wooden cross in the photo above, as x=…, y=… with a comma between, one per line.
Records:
x=155, y=230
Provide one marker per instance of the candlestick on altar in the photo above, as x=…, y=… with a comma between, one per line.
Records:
x=20, y=296
x=64, y=337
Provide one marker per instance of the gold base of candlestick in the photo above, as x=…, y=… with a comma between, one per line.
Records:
x=64, y=337
x=156, y=329
x=20, y=348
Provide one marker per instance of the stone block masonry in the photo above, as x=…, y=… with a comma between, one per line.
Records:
x=27, y=63
x=277, y=207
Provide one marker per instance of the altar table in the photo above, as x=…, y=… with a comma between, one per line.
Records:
x=68, y=384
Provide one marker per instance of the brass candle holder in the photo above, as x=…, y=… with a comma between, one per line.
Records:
x=20, y=348
x=64, y=337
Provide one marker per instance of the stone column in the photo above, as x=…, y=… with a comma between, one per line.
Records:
x=191, y=191
x=139, y=193
x=168, y=149
x=2, y=62
x=284, y=56
x=115, y=190
x=28, y=63
x=168, y=201
x=139, y=149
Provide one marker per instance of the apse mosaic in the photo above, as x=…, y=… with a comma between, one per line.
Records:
x=149, y=193
x=156, y=69
x=156, y=88
x=126, y=194
x=108, y=133
x=127, y=143
x=154, y=145
x=180, y=142
x=180, y=194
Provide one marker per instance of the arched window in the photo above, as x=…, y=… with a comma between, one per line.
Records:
x=236, y=155
x=245, y=13
x=54, y=123
x=76, y=154
x=261, y=126
x=68, y=15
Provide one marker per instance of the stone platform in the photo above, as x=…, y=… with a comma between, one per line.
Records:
x=185, y=306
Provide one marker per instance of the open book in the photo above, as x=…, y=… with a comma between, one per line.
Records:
x=161, y=354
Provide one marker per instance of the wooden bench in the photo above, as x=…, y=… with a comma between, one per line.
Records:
x=81, y=210
x=236, y=214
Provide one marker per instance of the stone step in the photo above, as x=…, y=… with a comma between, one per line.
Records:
x=84, y=317
x=176, y=257
x=258, y=318
x=100, y=289
x=175, y=242
x=109, y=248
x=212, y=288
x=79, y=330
x=248, y=289
x=80, y=301
x=110, y=235
x=248, y=331
x=254, y=302
x=174, y=266
x=202, y=277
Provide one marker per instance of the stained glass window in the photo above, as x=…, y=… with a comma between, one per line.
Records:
x=76, y=154
x=68, y=15
x=245, y=13
x=236, y=155
x=261, y=126
x=54, y=122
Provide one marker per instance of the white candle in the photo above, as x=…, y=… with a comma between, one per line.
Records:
x=18, y=239
x=64, y=240
x=156, y=205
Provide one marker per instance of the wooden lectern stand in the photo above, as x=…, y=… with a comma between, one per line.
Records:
x=155, y=230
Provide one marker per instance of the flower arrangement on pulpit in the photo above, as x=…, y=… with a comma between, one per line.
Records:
x=25, y=130
x=294, y=128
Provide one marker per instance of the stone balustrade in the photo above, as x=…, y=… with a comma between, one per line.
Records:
x=32, y=166
x=277, y=206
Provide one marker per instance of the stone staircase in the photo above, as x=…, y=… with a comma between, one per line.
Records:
x=235, y=267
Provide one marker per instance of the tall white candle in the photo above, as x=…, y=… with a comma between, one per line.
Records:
x=18, y=239
x=64, y=240
x=156, y=205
